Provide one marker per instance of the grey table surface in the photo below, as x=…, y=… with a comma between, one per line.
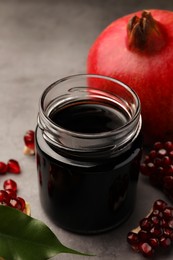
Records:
x=40, y=42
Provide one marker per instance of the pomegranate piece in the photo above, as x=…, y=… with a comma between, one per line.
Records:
x=29, y=142
x=22, y=203
x=15, y=203
x=154, y=231
x=10, y=184
x=11, y=193
x=4, y=197
x=13, y=166
x=158, y=166
x=3, y=168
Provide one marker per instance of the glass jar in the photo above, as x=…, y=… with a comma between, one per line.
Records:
x=88, y=150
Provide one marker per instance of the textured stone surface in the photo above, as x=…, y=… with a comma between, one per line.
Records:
x=40, y=42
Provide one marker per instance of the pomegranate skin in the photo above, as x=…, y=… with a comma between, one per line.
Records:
x=148, y=73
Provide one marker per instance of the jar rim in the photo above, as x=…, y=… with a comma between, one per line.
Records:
x=117, y=130
x=44, y=120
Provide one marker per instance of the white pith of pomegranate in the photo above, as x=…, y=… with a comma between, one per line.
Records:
x=137, y=49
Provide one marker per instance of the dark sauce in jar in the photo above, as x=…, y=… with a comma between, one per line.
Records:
x=89, y=117
x=89, y=192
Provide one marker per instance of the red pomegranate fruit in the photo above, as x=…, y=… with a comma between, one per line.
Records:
x=137, y=49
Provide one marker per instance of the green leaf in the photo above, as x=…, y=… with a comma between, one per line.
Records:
x=23, y=237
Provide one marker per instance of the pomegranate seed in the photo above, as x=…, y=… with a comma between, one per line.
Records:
x=152, y=154
x=156, y=231
x=132, y=238
x=154, y=242
x=169, y=145
x=157, y=213
x=13, y=166
x=165, y=241
x=161, y=152
x=29, y=139
x=171, y=154
x=15, y=203
x=155, y=220
x=22, y=202
x=158, y=145
x=4, y=197
x=168, y=212
x=146, y=249
x=168, y=233
x=143, y=235
x=170, y=170
x=166, y=160
x=10, y=184
x=12, y=194
x=151, y=167
x=170, y=223
x=159, y=204
x=145, y=224
x=3, y=168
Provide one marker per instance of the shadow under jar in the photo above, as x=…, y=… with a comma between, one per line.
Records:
x=88, y=150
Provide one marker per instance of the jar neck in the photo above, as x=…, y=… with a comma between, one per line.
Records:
x=81, y=143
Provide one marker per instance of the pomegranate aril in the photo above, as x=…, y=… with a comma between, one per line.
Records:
x=168, y=213
x=169, y=145
x=3, y=168
x=158, y=162
x=4, y=197
x=15, y=203
x=152, y=154
x=156, y=221
x=162, y=152
x=13, y=166
x=166, y=160
x=158, y=145
x=171, y=154
x=151, y=167
x=156, y=231
x=165, y=241
x=170, y=170
x=145, y=224
x=159, y=205
x=143, y=235
x=157, y=213
x=146, y=249
x=22, y=202
x=170, y=223
x=154, y=242
x=10, y=184
x=29, y=139
x=168, y=233
x=132, y=238
x=11, y=193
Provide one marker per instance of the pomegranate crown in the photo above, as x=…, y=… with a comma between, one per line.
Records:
x=144, y=33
